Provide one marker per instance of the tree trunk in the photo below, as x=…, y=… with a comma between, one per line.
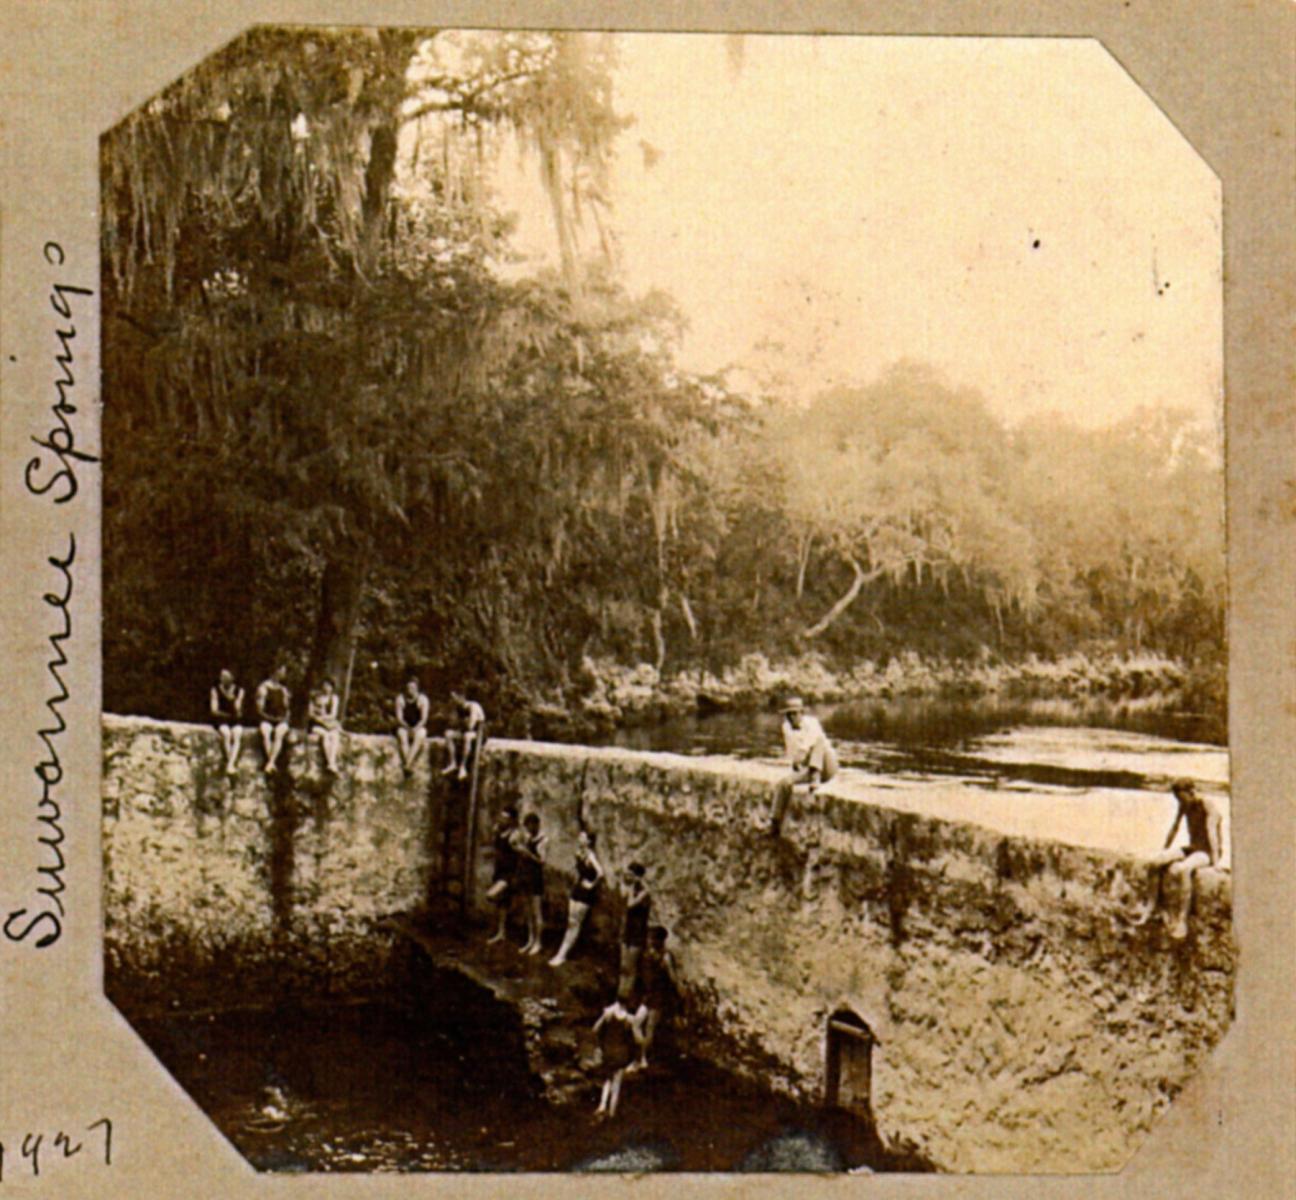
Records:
x=861, y=578
x=659, y=640
x=341, y=594
x=803, y=561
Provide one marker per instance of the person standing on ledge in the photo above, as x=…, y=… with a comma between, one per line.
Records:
x=530, y=879
x=324, y=721
x=504, y=876
x=589, y=875
x=272, y=703
x=634, y=927
x=411, y=723
x=226, y=713
x=465, y=735
x=657, y=988
x=811, y=755
x=1177, y=869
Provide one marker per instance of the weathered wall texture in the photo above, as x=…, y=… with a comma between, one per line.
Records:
x=217, y=885
x=1023, y=1024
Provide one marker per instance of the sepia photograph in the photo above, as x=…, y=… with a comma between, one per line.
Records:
x=664, y=601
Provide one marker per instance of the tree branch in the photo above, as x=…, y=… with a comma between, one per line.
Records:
x=861, y=578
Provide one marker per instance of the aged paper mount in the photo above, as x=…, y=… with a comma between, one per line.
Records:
x=1223, y=73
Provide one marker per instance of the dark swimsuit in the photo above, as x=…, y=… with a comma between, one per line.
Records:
x=506, y=859
x=276, y=704
x=410, y=713
x=586, y=888
x=636, y=923
x=654, y=980
x=616, y=1042
x=225, y=714
x=530, y=873
x=1195, y=817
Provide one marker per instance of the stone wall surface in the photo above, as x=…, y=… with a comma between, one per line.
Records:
x=1023, y=1023
x=217, y=886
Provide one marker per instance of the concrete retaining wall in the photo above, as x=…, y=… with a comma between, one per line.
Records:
x=1022, y=1023
x=218, y=887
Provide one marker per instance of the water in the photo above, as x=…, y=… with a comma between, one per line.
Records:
x=384, y=1088
x=1049, y=742
x=1086, y=775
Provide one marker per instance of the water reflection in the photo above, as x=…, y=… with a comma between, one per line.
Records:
x=1048, y=743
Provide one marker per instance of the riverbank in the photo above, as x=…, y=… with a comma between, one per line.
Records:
x=612, y=695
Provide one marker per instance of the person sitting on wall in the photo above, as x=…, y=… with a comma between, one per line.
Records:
x=589, y=876
x=657, y=988
x=463, y=738
x=411, y=723
x=530, y=879
x=324, y=722
x=1177, y=869
x=226, y=713
x=634, y=926
x=273, y=700
x=811, y=755
x=619, y=1031
x=504, y=872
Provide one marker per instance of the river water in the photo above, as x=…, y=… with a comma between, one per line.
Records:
x=383, y=1087
x=1092, y=775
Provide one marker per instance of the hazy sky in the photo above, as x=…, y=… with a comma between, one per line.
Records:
x=1013, y=211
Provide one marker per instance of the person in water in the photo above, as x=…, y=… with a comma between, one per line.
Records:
x=324, y=723
x=504, y=872
x=589, y=877
x=634, y=926
x=657, y=987
x=530, y=879
x=812, y=758
x=462, y=739
x=226, y=714
x=272, y=703
x=619, y=1031
x=411, y=723
x=1176, y=869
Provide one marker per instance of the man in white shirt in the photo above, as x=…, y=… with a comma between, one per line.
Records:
x=808, y=750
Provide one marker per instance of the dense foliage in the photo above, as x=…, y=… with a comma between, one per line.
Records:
x=341, y=428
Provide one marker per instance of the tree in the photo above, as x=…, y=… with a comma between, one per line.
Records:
x=900, y=479
x=1130, y=521
x=271, y=240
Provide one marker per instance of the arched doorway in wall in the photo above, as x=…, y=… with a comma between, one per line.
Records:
x=848, y=1064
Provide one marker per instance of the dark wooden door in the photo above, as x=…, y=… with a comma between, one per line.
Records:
x=848, y=1071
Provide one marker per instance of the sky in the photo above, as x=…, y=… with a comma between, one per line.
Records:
x=1014, y=212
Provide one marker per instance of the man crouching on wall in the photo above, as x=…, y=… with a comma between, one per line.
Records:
x=808, y=750
x=1176, y=869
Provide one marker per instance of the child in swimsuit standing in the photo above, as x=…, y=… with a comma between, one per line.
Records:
x=589, y=876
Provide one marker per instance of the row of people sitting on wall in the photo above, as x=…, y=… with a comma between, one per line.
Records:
x=273, y=702
x=645, y=978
